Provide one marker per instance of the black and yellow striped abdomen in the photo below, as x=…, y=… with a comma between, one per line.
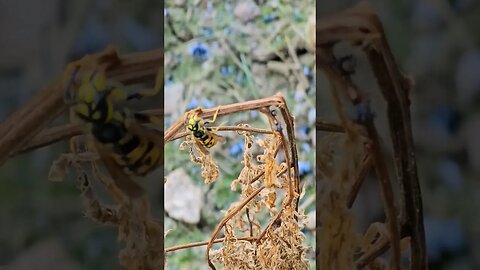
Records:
x=207, y=139
x=124, y=144
x=137, y=153
x=195, y=125
x=108, y=127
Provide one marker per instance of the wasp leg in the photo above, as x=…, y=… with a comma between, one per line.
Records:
x=150, y=92
x=143, y=93
x=214, y=117
x=146, y=118
x=74, y=145
x=215, y=129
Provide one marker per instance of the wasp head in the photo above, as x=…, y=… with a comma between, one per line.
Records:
x=194, y=122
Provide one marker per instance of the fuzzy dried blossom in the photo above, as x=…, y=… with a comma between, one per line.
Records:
x=270, y=145
x=263, y=222
x=282, y=244
x=250, y=170
x=282, y=247
x=210, y=171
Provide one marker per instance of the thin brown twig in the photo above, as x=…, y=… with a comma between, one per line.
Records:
x=204, y=243
x=380, y=249
x=360, y=178
x=270, y=224
x=360, y=25
x=287, y=142
x=275, y=100
x=344, y=84
x=329, y=127
x=226, y=128
x=22, y=125
x=63, y=132
x=222, y=223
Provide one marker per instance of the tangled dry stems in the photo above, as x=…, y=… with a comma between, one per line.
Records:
x=262, y=229
x=353, y=148
x=26, y=130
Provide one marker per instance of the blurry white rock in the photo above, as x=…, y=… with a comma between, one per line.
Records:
x=246, y=11
x=173, y=96
x=179, y=3
x=312, y=116
x=311, y=221
x=183, y=199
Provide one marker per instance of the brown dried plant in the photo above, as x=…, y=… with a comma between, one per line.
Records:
x=262, y=230
x=352, y=148
x=26, y=130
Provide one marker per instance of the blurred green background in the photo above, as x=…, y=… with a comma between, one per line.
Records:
x=437, y=43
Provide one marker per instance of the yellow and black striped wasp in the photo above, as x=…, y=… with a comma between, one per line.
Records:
x=201, y=130
x=125, y=144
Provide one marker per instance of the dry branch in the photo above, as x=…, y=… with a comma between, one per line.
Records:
x=280, y=136
x=361, y=26
x=25, y=130
x=20, y=128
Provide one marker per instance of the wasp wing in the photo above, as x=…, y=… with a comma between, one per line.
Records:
x=219, y=138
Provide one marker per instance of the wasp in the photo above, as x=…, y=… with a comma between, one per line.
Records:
x=201, y=131
x=126, y=145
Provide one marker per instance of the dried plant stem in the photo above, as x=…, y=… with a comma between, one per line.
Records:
x=362, y=174
x=344, y=84
x=329, y=127
x=291, y=192
x=380, y=249
x=275, y=100
x=287, y=142
x=293, y=152
x=381, y=246
x=22, y=125
x=387, y=195
x=204, y=243
x=50, y=136
x=222, y=223
x=360, y=25
x=25, y=130
x=270, y=224
x=59, y=133
x=226, y=128
x=237, y=209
